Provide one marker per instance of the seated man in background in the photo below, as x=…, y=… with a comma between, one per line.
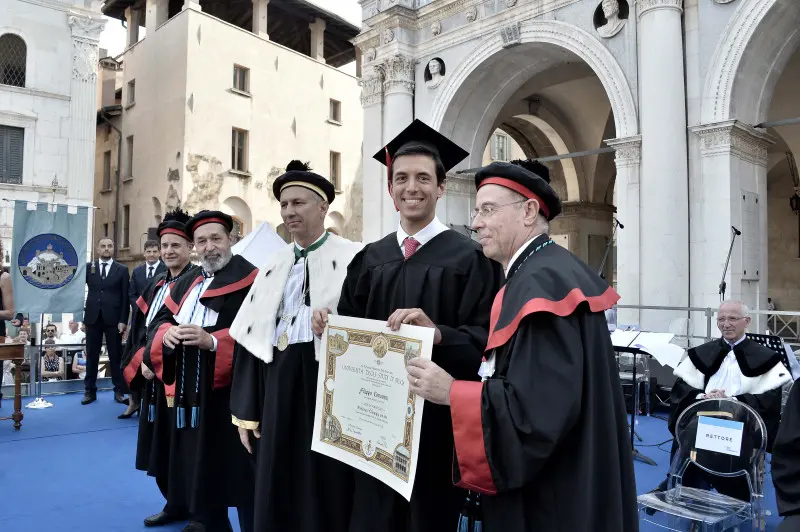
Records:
x=733, y=367
x=786, y=466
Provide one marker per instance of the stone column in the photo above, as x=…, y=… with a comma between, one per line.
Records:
x=318, y=39
x=398, y=89
x=132, y=19
x=260, y=18
x=664, y=223
x=730, y=191
x=626, y=190
x=157, y=14
x=374, y=173
x=83, y=105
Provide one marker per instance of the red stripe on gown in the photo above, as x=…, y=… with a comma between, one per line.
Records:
x=465, y=410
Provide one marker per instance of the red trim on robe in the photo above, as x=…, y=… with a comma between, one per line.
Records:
x=204, y=221
x=142, y=304
x=465, y=410
x=157, y=351
x=173, y=231
x=562, y=308
x=176, y=307
x=518, y=188
x=132, y=368
x=233, y=287
x=169, y=390
x=223, y=364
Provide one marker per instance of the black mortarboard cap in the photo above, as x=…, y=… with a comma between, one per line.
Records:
x=299, y=174
x=529, y=178
x=208, y=217
x=420, y=133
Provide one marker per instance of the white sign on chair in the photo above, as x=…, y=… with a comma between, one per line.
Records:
x=719, y=435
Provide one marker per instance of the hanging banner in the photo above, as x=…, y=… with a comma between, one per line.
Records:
x=48, y=259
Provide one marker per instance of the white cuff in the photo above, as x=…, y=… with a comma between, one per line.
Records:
x=700, y=396
x=214, y=339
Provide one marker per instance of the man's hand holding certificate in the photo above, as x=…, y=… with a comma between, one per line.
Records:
x=367, y=413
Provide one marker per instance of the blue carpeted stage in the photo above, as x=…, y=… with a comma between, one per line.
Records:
x=70, y=469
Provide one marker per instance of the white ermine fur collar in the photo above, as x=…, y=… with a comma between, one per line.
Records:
x=255, y=323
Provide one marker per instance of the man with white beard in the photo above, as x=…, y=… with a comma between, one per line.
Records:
x=192, y=354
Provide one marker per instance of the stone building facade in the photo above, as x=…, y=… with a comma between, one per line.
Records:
x=48, y=72
x=672, y=103
x=215, y=99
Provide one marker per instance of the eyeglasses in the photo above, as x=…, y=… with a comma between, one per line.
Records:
x=720, y=321
x=489, y=209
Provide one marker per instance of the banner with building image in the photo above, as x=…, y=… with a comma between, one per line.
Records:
x=48, y=258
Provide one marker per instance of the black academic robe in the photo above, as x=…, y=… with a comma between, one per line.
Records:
x=785, y=463
x=763, y=372
x=155, y=420
x=208, y=469
x=545, y=437
x=451, y=280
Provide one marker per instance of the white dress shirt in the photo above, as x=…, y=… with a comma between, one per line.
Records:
x=108, y=263
x=728, y=377
x=147, y=270
x=423, y=236
x=194, y=312
x=294, y=304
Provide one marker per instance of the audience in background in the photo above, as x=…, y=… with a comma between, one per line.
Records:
x=52, y=366
x=79, y=362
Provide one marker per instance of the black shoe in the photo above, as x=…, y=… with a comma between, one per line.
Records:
x=161, y=518
x=194, y=526
x=129, y=415
x=88, y=398
x=120, y=398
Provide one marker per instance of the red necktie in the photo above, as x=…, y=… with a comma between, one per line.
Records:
x=409, y=246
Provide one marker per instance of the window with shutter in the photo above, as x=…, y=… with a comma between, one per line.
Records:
x=12, y=143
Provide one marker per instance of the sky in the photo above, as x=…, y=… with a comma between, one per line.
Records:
x=113, y=36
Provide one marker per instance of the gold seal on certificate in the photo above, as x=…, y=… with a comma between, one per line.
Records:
x=366, y=416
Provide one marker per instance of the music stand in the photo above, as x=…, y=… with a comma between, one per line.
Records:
x=774, y=343
x=635, y=352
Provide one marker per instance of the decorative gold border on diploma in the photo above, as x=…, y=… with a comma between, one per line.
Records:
x=331, y=429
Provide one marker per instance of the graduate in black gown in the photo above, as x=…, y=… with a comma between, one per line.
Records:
x=153, y=443
x=273, y=397
x=786, y=464
x=192, y=352
x=544, y=437
x=428, y=275
x=732, y=366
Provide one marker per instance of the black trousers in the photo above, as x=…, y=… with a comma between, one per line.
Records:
x=94, y=343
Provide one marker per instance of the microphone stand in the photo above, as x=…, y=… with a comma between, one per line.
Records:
x=723, y=285
x=608, y=248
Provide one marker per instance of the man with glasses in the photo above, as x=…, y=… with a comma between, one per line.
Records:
x=732, y=367
x=428, y=275
x=543, y=438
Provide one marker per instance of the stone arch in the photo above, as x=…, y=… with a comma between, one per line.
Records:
x=12, y=40
x=335, y=221
x=563, y=41
x=238, y=208
x=758, y=41
x=283, y=233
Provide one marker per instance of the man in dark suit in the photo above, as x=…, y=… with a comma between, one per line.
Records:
x=106, y=314
x=142, y=274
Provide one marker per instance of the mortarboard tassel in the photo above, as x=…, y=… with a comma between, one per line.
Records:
x=471, y=519
x=196, y=402
x=151, y=414
x=181, y=411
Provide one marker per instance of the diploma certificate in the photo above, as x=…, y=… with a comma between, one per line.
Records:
x=365, y=414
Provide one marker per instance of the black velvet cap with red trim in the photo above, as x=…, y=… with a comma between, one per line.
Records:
x=299, y=174
x=174, y=223
x=208, y=217
x=420, y=133
x=529, y=178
